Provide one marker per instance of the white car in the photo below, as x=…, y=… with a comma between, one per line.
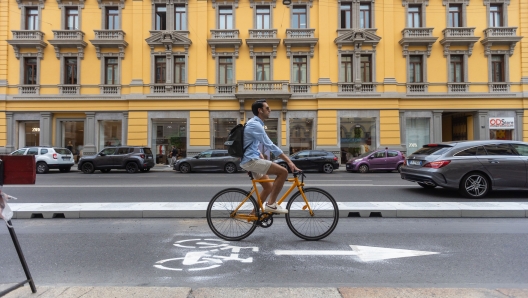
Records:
x=49, y=158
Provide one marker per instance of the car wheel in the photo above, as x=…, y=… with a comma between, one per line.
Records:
x=230, y=168
x=87, y=168
x=398, y=168
x=105, y=170
x=328, y=168
x=475, y=185
x=428, y=186
x=285, y=166
x=185, y=168
x=132, y=167
x=363, y=169
x=42, y=168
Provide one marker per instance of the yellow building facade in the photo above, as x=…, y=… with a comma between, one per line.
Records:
x=345, y=76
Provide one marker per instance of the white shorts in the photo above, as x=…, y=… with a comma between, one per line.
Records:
x=259, y=167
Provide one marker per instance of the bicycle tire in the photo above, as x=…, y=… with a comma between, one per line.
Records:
x=318, y=226
x=219, y=214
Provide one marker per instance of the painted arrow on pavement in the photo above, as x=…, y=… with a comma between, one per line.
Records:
x=364, y=253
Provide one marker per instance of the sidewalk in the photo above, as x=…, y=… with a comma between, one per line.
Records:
x=345, y=292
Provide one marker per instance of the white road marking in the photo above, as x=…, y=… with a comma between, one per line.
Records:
x=364, y=253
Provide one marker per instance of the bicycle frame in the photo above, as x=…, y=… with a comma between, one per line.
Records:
x=254, y=190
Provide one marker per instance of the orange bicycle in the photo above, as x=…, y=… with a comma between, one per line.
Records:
x=233, y=213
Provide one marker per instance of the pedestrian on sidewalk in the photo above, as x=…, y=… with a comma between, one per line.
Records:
x=174, y=156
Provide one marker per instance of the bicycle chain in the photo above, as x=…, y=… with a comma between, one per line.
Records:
x=265, y=222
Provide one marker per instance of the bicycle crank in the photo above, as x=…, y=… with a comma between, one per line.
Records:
x=265, y=220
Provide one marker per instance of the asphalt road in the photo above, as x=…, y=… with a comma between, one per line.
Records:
x=171, y=186
x=476, y=253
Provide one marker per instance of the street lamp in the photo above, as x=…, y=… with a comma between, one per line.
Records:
x=286, y=2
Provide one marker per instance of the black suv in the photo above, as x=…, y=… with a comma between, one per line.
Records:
x=309, y=160
x=130, y=158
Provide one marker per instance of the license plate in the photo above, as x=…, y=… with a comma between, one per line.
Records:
x=414, y=162
x=149, y=157
x=67, y=157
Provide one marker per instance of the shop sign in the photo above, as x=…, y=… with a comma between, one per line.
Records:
x=502, y=123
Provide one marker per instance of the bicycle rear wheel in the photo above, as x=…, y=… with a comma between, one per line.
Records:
x=317, y=226
x=224, y=221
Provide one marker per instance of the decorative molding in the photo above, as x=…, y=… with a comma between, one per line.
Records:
x=219, y=3
x=201, y=82
x=224, y=54
x=488, y=2
x=22, y=3
x=168, y=39
x=103, y=3
x=253, y=54
x=289, y=53
x=305, y=2
x=407, y=2
x=447, y=2
x=357, y=37
x=79, y=3
x=253, y=3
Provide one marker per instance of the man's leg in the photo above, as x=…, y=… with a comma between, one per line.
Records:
x=282, y=174
x=266, y=189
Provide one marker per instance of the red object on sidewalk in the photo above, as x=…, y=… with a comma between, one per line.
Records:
x=18, y=169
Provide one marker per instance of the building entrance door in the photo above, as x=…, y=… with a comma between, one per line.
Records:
x=73, y=135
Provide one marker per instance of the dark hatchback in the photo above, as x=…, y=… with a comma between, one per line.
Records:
x=379, y=160
x=210, y=160
x=130, y=158
x=313, y=160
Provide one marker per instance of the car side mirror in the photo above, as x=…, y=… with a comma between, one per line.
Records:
x=197, y=156
x=102, y=154
x=296, y=157
x=371, y=157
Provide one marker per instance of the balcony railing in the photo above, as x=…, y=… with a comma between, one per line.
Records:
x=110, y=89
x=225, y=89
x=262, y=33
x=224, y=33
x=299, y=88
x=356, y=87
x=417, y=87
x=169, y=88
x=69, y=89
x=499, y=87
x=459, y=32
x=417, y=32
x=300, y=33
x=457, y=87
x=68, y=34
x=109, y=34
x=500, y=32
x=28, y=89
x=27, y=35
x=263, y=86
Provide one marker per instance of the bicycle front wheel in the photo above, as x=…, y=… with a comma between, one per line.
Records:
x=320, y=223
x=230, y=217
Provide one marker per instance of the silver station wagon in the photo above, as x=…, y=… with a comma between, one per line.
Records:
x=472, y=167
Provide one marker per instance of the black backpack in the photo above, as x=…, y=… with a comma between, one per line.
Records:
x=235, y=141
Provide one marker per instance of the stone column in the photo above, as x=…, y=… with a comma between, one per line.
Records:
x=519, y=115
x=46, y=125
x=89, y=134
x=437, y=126
x=10, y=130
x=124, y=133
x=481, y=129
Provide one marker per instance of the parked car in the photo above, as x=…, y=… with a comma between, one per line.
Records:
x=312, y=160
x=210, y=160
x=48, y=158
x=472, y=167
x=130, y=158
x=379, y=160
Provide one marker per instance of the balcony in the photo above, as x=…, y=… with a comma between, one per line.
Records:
x=499, y=87
x=109, y=39
x=27, y=39
x=168, y=39
x=263, y=89
x=224, y=38
x=457, y=87
x=500, y=36
x=225, y=89
x=357, y=37
x=459, y=36
x=417, y=87
x=70, y=89
x=300, y=88
x=356, y=87
x=68, y=39
x=417, y=37
x=263, y=38
x=169, y=88
x=300, y=38
x=28, y=89
x=110, y=89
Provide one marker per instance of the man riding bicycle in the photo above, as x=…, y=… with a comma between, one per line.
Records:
x=253, y=161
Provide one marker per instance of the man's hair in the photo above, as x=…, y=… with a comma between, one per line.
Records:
x=258, y=104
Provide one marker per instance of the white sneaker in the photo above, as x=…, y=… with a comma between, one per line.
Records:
x=274, y=208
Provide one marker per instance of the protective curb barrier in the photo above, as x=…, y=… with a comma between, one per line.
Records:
x=197, y=209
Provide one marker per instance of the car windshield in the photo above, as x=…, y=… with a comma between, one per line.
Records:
x=436, y=150
x=19, y=152
x=62, y=151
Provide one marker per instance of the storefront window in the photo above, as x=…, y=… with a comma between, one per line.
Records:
x=110, y=133
x=301, y=134
x=32, y=134
x=501, y=128
x=358, y=135
x=221, y=128
x=417, y=133
x=501, y=134
x=73, y=136
x=168, y=133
